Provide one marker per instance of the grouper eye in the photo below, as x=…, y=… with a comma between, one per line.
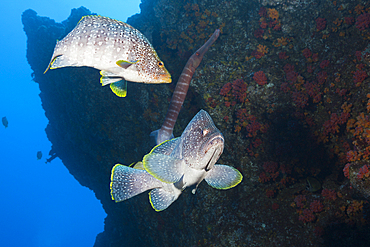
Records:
x=160, y=64
x=205, y=132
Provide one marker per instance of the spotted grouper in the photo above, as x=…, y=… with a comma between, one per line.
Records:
x=177, y=164
x=119, y=51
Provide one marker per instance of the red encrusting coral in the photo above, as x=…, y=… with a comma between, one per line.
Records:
x=275, y=206
x=283, y=55
x=262, y=12
x=358, y=55
x=316, y=206
x=320, y=24
x=300, y=99
x=322, y=76
x=307, y=53
x=329, y=194
x=270, y=166
x=324, y=64
x=359, y=77
x=349, y=20
x=270, y=193
x=299, y=200
x=363, y=21
x=260, y=78
x=363, y=172
x=239, y=90
x=225, y=89
x=310, y=68
x=258, y=33
x=257, y=54
x=346, y=170
x=307, y=216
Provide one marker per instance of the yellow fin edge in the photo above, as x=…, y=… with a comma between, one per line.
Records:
x=151, y=203
x=111, y=179
x=237, y=181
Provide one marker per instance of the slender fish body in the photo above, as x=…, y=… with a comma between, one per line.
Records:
x=119, y=51
x=182, y=86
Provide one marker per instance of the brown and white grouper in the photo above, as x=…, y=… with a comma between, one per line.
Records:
x=119, y=51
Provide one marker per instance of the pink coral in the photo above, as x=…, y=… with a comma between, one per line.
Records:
x=363, y=21
x=257, y=54
x=322, y=76
x=263, y=178
x=260, y=78
x=270, y=193
x=324, y=64
x=300, y=99
x=320, y=23
x=310, y=68
x=299, y=200
x=307, y=216
x=225, y=89
x=275, y=206
x=258, y=33
x=283, y=55
x=270, y=166
x=307, y=53
x=239, y=90
x=359, y=76
x=346, y=170
x=316, y=206
x=358, y=55
x=363, y=172
x=262, y=12
x=329, y=194
x=349, y=20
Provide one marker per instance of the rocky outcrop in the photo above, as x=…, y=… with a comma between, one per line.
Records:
x=285, y=85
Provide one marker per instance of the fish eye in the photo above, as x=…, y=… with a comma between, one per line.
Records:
x=160, y=64
x=205, y=132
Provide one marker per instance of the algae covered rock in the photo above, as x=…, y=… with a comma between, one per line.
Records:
x=286, y=83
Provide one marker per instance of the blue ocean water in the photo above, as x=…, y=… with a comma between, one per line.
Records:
x=41, y=204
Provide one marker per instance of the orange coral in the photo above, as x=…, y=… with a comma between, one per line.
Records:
x=273, y=14
x=263, y=49
x=282, y=41
x=359, y=9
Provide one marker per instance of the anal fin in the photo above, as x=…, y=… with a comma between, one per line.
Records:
x=162, y=198
x=119, y=88
x=223, y=177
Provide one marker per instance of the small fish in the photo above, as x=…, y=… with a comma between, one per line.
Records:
x=313, y=184
x=118, y=50
x=177, y=164
x=39, y=155
x=5, y=122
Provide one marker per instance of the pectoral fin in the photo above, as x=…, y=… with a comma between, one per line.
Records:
x=125, y=64
x=127, y=182
x=137, y=165
x=57, y=62
x=223, y=177
x=164, y=167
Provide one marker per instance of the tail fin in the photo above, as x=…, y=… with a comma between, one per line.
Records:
x=162, y=198
x=127, y=182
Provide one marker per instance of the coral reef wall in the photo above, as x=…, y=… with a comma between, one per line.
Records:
x=287, y=83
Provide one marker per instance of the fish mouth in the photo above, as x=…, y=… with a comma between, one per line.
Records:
x=165, y=78
x=213, y=150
